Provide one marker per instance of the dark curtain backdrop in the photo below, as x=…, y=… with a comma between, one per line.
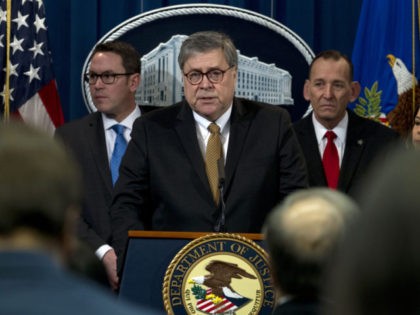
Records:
x=76, y=25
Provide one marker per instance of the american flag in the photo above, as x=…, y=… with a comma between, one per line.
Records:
x=32, y=91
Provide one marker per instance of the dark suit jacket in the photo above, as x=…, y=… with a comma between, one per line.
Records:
x=163, y=183
x=298, y=306
x=86, y=140
x=366, y=141
x=32, y=283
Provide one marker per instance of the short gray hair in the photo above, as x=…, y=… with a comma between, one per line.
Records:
x=302, y=233
x=202, y=42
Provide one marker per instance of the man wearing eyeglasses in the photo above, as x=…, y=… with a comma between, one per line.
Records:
x=113, y=77
x=166, y=175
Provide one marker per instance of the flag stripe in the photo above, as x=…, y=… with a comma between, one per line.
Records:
x=33, y=112
x=51, y=100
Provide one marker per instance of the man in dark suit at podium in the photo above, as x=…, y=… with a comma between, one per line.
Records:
x=114, y=76
x=169, y=180
x=338, y=145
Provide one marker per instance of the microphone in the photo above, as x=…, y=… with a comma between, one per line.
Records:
x=220, y=224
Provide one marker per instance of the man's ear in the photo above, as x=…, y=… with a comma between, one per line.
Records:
x=134, y=81
x=355, y=90
x=306, y=91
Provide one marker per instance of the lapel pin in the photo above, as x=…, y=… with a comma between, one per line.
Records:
x=360, y=142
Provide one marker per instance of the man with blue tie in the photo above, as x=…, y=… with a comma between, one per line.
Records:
x=98, y=141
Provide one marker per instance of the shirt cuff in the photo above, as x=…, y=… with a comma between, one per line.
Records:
x=101, y=251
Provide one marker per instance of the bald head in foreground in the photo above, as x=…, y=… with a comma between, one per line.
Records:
x=302, y=234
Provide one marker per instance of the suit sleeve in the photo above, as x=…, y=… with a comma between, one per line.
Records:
x=293, y=171
x=84, y=230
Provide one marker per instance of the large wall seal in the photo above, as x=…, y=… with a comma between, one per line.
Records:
x=273, y=63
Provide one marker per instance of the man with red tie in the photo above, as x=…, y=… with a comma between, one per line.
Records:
x=338, y=145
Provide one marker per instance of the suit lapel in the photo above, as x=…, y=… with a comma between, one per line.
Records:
x=355, y=144
x=185, y=128
x=309, y=143
x=96, y=139
x=239, y=125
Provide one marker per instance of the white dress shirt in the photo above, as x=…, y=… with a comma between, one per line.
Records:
x=110, y=137
x=340, y=130
x=203, y=134
x=110, y=134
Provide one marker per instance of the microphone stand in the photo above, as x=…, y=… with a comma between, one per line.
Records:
x=220, y=225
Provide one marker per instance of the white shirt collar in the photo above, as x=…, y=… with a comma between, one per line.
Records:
x=340, y=130
x=221, y=121
x=127, y=122
x=203, y=133
x=110, y=135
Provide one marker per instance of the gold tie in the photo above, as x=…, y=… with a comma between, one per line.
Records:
x=214, y=152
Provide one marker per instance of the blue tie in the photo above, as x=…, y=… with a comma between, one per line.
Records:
x=119, y=149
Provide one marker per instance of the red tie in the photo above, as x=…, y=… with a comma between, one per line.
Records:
x=330, y=160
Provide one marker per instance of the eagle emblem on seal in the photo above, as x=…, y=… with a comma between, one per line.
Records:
x=217, y=296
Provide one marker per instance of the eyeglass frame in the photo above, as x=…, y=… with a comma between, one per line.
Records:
x=87, y=77
x=206, y=74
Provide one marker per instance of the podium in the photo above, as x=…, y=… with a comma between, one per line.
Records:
x=148, y=256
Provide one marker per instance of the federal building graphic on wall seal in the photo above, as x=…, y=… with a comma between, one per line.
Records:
x=273, y=60
x=219, y=274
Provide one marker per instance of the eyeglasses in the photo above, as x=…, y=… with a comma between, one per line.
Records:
x=106, y=78
x=214, y=76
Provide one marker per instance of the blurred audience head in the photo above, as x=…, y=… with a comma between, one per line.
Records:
x=378, y=267
x=302, y=234
x=39, y=190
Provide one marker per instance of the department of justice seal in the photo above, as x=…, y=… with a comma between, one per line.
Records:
x=219, y=274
